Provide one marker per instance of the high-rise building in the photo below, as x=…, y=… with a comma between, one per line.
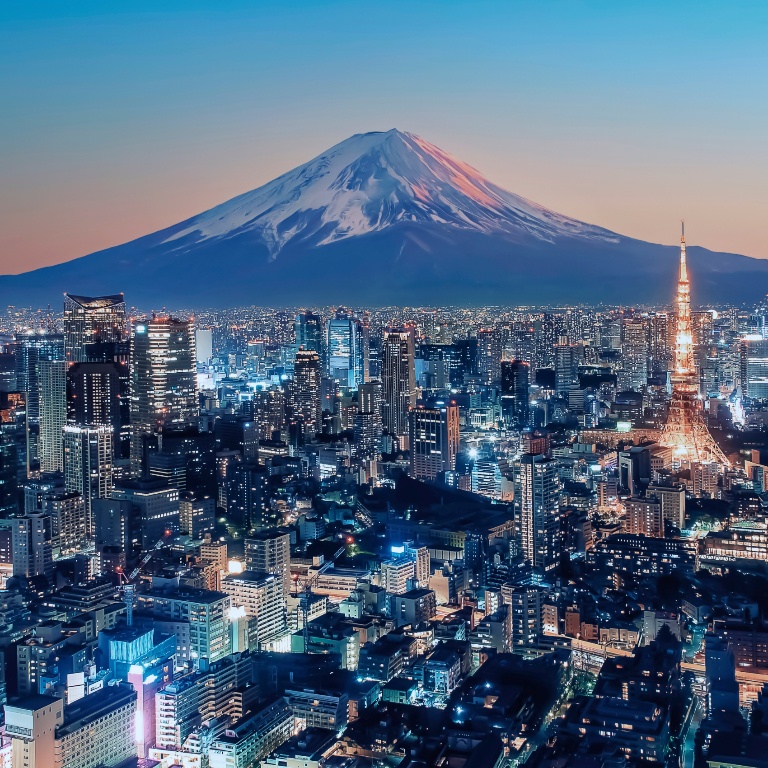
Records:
x=367, y=424
x=309, y=332
x=753, y=350
x=635, y=351
x=247, y=494
x=398, y=379
x=515, y=380
x=30, y=350
x=91, y=320
x=156, y=504
x=97, y=395
x=345, y=350
x=306, y=390
x=163, y=379
x=489, y=348
x=434, y=440
x=566, y=365
x=537, y=509
x=52, y=377
x=88, y=465
x=203, y=344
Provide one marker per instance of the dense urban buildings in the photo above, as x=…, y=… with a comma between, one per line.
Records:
x=280, y=536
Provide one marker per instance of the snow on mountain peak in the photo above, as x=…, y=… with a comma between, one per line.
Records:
x=372, y=181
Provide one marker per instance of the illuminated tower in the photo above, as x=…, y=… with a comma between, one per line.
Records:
x=686, y=432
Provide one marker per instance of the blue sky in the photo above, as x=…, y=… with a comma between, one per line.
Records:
x=626, y=114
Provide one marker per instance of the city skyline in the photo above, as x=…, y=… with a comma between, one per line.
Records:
x=394, y=458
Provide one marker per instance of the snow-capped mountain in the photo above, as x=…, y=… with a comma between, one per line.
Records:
x=370, y=182
x=382, y=219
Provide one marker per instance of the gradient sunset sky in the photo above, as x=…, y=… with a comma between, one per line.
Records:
x=630, y=114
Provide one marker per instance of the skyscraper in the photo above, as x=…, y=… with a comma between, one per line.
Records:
x=515, y=380
x=97, y=395
x=635, y=348
x=90, y=320
x=537, y=509
x=306, y=389
x=163, y=378
x=52, y=377
x=398, y=378
x=88, y=465
x=30, y=349
x=434, y=440
x=566, y=365
x=489, y=355
x=309, y=332
x=345, y=350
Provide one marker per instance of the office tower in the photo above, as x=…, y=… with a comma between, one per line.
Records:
x=118, y=535
x=367, y=421
x=306, y=390
x=364, y=334
x=489, y=355
x=88, y=465
x=686, y=432
x=345, y=350
x=566, y=365
x=635, y=352
x=753, y=360
x=398, y=379
x=91, y=320
x=659, y=350
x=270, y=552
x=247, y=494
x=155, y=503
x=14, y=459
x=203, y=344
x=434, y=440
x=269, y=411
x=308, y=328
x=537, y=509
x=185, y=458
x=163, y=379
x=97, y=395
x=9, y=469
x=30, y=350
x=52, y=377
x=515, y=378
x=237, y=433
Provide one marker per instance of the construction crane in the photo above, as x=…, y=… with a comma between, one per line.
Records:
x=128, y=587
x=305, y=593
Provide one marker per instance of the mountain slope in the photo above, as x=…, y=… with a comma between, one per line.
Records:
x=386, y=218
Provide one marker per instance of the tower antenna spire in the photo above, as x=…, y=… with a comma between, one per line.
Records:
x=682, y=224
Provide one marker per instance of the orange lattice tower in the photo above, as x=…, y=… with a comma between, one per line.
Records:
x=686, y=432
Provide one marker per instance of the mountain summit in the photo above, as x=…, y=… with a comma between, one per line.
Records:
x=373, y=181
x=386, y=218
